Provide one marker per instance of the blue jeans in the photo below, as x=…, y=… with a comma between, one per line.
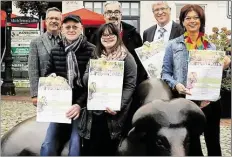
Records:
x=55, y=139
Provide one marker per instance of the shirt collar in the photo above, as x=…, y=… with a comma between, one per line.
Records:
x=50, y=36
x=167, y=27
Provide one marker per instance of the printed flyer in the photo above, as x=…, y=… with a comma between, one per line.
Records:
x=54, y=100
x=105, y=84
x=151, y=56
x=205, y=74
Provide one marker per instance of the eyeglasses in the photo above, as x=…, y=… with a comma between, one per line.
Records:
x=108, y=35
x=73, y=27
x=53, y=18
x=110, y=13
x=156, y=11
x=196, y=18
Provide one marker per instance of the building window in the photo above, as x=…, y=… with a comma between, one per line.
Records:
x=131, y=11
x=125, y=8
x=88, y=5
x=178, y=8
x=134, y=9
x=94, y=6
x=98, y=7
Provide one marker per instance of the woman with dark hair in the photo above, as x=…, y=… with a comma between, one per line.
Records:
x=104, y=128
x=175, y=69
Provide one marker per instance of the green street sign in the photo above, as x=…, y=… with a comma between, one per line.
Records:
x=20, y=50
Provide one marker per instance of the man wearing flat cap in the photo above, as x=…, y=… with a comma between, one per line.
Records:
x=69, y=59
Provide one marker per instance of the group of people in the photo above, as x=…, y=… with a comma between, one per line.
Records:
x=63, y=49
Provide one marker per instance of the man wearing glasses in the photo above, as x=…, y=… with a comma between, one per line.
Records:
x=130, y=37
x=40, y=49
x=69, y=59
x=165, y=28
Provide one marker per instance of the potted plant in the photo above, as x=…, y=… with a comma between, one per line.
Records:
x=223, y=42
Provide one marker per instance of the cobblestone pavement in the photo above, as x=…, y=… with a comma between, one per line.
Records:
x=13, y=112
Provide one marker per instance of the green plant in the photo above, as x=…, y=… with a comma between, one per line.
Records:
x=223, y=42
x=221, y=39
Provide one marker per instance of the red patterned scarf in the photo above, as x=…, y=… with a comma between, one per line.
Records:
x=201, y=44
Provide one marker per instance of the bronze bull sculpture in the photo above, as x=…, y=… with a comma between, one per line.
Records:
x=160, y=127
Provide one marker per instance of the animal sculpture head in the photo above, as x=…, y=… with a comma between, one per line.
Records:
x=163, y=128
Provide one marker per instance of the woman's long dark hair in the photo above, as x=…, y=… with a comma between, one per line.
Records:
x=112, y=29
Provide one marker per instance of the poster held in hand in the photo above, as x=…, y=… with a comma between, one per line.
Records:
x=205, y=74
x=54, y=99
x=105, y=84
x=151, y=56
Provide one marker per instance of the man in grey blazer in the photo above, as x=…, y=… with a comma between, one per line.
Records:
x=165, y=27
x=40, y=49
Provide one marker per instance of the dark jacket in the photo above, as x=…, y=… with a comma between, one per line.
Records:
x=132, y=40
x=176, y=31
x=116, y=122
x=57, y=64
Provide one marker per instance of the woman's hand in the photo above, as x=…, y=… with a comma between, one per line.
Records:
x=108, y=110
x=181, y=89
x=204, y=103
x=227, y=61
x=74, y=111
x=34, y=101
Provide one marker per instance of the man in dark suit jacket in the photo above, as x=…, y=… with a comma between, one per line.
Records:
x=165, y=28
x=40, y=48
x=130, y=37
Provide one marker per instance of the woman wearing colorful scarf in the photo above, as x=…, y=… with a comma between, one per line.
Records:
x=104, y=128
x=175, y=69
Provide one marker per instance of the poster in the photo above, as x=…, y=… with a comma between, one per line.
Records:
x=151, y=56
x=54, y=100
x=21, y=39
x=105, y=84
x=205, y=74
x=20, y=44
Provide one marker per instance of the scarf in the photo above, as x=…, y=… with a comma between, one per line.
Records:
x=71, y=60
x=118, y=55
x=201, y=44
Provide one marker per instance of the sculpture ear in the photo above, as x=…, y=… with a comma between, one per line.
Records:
x=135, y=134
x=196, y=122
x=192, y=116
x=131, y=132
x=132, y=145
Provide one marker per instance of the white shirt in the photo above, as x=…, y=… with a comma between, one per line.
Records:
x=168, y=28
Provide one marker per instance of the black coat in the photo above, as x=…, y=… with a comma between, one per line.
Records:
x=57, y=64
x=132, y=40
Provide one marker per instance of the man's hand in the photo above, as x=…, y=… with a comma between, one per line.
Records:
x=108, y=110
x=204, y=103
x=146, y=43
x=181, y=89
x=34, y=101
x=74, y=111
